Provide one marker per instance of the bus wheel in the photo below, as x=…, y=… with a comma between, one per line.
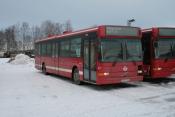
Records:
x=76, y=77
x=44, y=69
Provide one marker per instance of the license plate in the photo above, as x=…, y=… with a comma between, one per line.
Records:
x=125, y=80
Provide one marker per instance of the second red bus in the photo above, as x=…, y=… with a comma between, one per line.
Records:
x=159, y=52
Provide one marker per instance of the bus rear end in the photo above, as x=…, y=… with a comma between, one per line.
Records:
x=120, y=55
x=159, y=52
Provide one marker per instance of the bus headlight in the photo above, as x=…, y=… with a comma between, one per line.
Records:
x=106, y=74
x=139, y=71
x=157, y=69
x=103, y=74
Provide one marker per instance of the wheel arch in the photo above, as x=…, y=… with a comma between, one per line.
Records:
x=43, y=64
x=73, y=68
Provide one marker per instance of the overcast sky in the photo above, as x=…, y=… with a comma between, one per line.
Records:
x=86, y=13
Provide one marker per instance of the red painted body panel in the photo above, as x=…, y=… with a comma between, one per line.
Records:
x=167, y=68
x=69, y=63
x=117, y=73
x=108, y=80
x=64, y=64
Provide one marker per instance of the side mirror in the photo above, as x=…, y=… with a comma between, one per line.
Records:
x=155, y=44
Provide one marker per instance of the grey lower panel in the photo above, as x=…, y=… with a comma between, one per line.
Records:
x=86, y=75
x=93, y=75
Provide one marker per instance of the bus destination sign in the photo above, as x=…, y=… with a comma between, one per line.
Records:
x=167, y=31
x=121, y=31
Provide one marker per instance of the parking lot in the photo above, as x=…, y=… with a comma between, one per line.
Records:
x=26, y=92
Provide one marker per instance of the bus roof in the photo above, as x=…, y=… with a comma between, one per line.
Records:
x=77, y=32
x=69, y=34
x=150, y=29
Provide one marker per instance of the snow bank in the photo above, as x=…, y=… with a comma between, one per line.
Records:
x=22, y=59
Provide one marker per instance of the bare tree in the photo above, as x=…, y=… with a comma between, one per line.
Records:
x=2, y=41
x=22, y=36
x=10, y=38
x=68, y=26
x=47, y=28
x=18, y=36
x=36, y=33
x=58, y=28
x=25, y=33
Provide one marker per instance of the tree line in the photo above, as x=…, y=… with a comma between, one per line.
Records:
x=21, y=36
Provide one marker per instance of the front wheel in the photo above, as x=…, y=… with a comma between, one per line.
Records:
x=76, y=77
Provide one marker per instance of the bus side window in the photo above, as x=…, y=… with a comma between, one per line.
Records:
x=57, y=49
x=44, y=49
x=75, y=49
x=64, y=48
x=53, y=50
x=38, y=49
x=49, y=49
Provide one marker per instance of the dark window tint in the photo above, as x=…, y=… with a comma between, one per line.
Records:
x=49, y=49
x=53, y=50
x=43, y=49
x=39, y=49
x=165, y=48
x=64, y=49
x=134, y=50
x=75, y=48
x=167, y=31
x=111, y=50
x=57, y=49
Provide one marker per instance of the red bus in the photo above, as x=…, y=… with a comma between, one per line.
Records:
x=159, y=52
x=100, y=55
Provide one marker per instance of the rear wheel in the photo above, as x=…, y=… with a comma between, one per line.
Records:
x=76, y=76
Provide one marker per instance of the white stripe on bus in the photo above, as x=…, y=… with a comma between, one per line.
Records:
x=60, y=69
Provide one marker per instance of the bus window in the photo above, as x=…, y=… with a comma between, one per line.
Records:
x=75, y=47
x=39, y=49
x=53, y=49
x=64, y=49
x=49, y=49
x=57, y=49
x=93, y=55
x=173, y=50
x=133, y=52
x=164, y=49
x=43, y=49
x=111, y=50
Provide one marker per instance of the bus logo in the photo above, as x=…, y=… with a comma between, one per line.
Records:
x=125, y=68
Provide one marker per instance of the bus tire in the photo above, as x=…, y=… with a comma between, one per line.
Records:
x=44, y=69
x=76, y=76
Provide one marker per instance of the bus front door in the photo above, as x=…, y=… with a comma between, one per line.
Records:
x=89, y=60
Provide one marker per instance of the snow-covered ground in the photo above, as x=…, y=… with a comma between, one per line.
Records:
x=26, y=92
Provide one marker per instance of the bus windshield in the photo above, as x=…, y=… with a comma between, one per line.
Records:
x=134, y=50
x=165, y=49
x=120, y=50
x=111, y=50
